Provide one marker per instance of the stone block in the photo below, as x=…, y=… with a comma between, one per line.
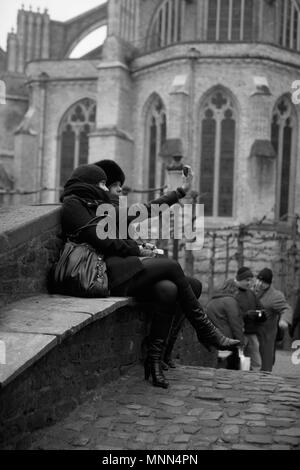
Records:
x=22, y=350
x=258, y=439
x=43, y=321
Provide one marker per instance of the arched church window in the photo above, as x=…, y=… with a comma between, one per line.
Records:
x=74, y=131
x=283, y=135
x=157, y=133
x=230, y=20
x=218, y=129
x=289, y=24
x=167, y=25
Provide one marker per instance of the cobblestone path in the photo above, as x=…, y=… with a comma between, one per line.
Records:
x=202, y=409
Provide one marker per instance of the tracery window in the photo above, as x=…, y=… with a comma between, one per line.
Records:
x=167, y=25
x=230, y=20
x=289, y=24
x=218, y=134
x=73, y=136
x=283, y=135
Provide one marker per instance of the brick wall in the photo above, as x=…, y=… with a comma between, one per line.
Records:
x=29, y=245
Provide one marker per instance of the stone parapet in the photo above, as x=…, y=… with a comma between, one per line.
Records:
x=29, y=245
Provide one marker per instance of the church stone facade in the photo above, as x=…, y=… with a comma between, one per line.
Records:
x=216, y=74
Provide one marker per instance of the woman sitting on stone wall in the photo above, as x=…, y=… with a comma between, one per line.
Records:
x=160, y=278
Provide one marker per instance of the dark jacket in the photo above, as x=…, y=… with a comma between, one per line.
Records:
x=248, y=303
x=275, y=305
x=121, y=255
x=223, y=310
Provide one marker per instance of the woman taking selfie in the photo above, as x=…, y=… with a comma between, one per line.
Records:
x=161, y=279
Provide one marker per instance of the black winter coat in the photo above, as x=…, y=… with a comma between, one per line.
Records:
x=121, y=255
x=248, y=303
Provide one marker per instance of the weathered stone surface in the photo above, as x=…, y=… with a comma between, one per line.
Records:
x=224, y=386
x=185, y=420
x=280, y=447
x=209, y=424
x=145, y=422
x=253, y=417
x=233, y=421
x=236, y=400
x=21, y=351
x=258, y=439
x=230, y=430
x=210, y=415
x=233, y=412
x=293, y=432
x=283, y=398
x=134, y=407
x=172, y=429
x=76, y=426
x=279, y=422
x=293, y=441
x=182, y=393
x=146, y=438
x=245, y=447
x=171, y=402
x=81, y=441
x=208, y=395
x=195, y=412
x=182, y=438
x=190, y=429
x=255, y=424
x=258, y=409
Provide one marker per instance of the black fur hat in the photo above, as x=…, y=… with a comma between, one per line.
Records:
x=113, y=171
x=89, y=173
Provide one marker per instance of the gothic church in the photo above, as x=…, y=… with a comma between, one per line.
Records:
x=216, y=74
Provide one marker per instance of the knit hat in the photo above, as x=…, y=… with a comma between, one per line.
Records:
x=244, y=273
x=265, y=275
x=90, y=174
x=113, y=171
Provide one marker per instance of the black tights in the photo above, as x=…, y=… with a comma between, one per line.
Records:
x=161, y=281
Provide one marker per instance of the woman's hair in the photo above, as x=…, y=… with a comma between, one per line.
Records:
x=229, y=287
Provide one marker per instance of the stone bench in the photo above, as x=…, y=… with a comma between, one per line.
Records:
x=31, y=327
x=55, y=351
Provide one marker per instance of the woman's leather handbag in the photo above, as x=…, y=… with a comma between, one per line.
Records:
x=80, y=271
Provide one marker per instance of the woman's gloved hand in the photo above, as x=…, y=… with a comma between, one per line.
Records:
x=146, y=252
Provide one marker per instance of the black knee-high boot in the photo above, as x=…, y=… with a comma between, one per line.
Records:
x=157, y=339
x=206, y=331
x=177, y=323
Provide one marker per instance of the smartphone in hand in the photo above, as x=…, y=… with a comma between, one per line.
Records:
x=186, y=170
